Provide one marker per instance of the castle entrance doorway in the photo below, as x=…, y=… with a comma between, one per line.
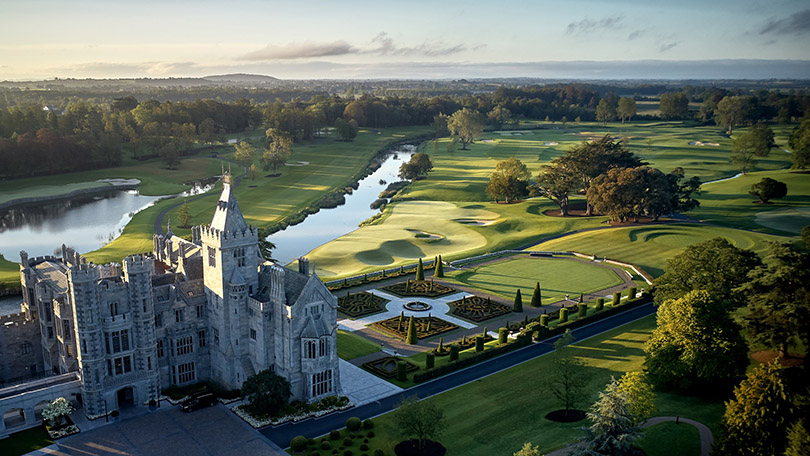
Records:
x=126, y=397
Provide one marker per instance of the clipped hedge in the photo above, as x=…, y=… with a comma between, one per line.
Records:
x=419, y=377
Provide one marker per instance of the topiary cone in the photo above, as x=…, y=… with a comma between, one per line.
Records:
x=420, y=271
x=411, y=337
x=518, y=307
x=537, y=300
x=439, y=268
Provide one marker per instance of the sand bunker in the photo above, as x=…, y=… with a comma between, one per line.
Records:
x=298, y=164
x=487, y=141
x=476, y=222
x=551, y=143
x=116, y=182
x=699, y=143
x=425, y=235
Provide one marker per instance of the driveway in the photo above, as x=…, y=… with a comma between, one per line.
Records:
x=168, y=431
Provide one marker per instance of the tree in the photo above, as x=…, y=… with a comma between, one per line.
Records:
x=674, y=105
x=537, y=299
x=510, y=180
x=778, y=311
x=267, y=393
x=346, y=130
x=184, y=214
x=768, y=188
x=627, y=108
x=169, y=154
x=528, y=450
x=499, y=116
x=207, y=130
x=640, y=395
x=800, y=145
x=696, y=343
x=252, y=171
x=605, y=111
x=614, y=429
x=798, y=440
x=518, y=305
x=411, y=338
x=556, y=182
x=755, y=420
x=420, y=270
x=467, y=124
x=245, y=153
x=439, y=271
x=625, y=193
x=568, y=375
x=715, y=265
x=732, y=111
x=265, y=246
x=756, y=142
x=56, y=411
x=278, y=150
x=419, y=419
x=418, y=165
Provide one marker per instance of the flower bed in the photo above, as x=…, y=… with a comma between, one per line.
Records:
x=63, y=430
x=303, y=411
x=387, y=367
x=361, y=304
x=426, y=288
x=477, y=308
x=425, y=326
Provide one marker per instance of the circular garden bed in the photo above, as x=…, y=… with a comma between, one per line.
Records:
x=425, y=326
x=476, y=308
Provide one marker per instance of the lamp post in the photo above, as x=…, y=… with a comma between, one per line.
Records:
x=106, y=414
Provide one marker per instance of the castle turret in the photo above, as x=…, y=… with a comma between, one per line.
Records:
x=90, y=334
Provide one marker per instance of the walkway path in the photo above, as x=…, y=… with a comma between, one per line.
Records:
x=282, y=434
x=706, y=437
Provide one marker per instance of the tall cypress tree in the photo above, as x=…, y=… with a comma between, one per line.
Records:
x=518, y=307
x=420, y=271
x=537, y=299
x=411, y=337
x=439, y=268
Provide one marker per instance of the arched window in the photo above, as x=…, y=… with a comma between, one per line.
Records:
x=323, y=346
x=310, y=349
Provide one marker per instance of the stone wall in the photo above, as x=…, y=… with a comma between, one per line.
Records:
x=20, y=347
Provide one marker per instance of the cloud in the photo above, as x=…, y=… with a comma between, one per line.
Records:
x=797, y=23
x=382, y=44
x=589, y=25
x=637, y=34
x=664, y=47
x=300, y=51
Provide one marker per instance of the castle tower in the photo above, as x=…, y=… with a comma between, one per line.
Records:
x=230, y=271
x=137, y=274
x=90, y=335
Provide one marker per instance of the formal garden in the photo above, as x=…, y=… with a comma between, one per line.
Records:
x=361, y=304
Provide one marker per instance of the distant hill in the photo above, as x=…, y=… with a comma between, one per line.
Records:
x=242, y=78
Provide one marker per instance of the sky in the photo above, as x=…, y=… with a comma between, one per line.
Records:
x=43, y=39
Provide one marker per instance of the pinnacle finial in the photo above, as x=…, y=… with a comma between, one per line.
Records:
x=169, y=227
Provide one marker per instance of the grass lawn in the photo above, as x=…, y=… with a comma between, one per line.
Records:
x=651, y=246
x=25, y=441
x=497, y=414
x=352, y=346
x=557, y=277
x=728, y=203
x=665, y=438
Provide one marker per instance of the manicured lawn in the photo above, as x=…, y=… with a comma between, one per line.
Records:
x=651, y=246
x=665, y=438
x=499, y=413
x=557, y=277
x=25, y=441
x=352, y=346
x=728, y=203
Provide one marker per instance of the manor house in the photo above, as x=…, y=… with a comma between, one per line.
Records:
x=209, y=308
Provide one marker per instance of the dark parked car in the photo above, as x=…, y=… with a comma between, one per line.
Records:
x=197, y=401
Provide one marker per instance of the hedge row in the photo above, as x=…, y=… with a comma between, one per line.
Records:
x=521, y=341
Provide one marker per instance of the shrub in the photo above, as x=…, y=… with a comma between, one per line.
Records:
x=563, y=315
x=420, y=271
x=537, y=298
x=518, y=306
x=334, y=435
x=631, y=293
x=503, y=334
x=370, y=434
x=368, y=424
x=430, y=360
x=617, y=296
x=347, y=453
x=439, y=268
x=152, y=403
x=298, y=443
x=600, y=303
x=347, y=442
x=454, y=352
x=314, y=453
x=582, y=310
x=479, y=343
x=311, y=442
x=326, y=445
x=364, y=447
x=353, y=424
x=544, y=320
x=379, y=453
x=402, y=371
x=114, y=413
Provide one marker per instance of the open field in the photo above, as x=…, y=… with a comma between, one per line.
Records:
x=651, y=246
x=557, y=277
x=662, y=439
x=497, y=414
x=24, y=442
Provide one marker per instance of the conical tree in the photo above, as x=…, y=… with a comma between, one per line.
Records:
x=518, y=307
x=411, y=337
x=420, y=271
x=439, y=268
x=537, y=299
x=581, y=298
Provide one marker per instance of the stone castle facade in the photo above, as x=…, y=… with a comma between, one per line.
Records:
x=206, y=309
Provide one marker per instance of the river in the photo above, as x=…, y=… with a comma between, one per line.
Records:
x=328, y=224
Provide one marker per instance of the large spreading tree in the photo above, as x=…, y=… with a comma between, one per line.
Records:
x=732, y=111
x=467, y=124
x=696, y=343
x=267, y=393
x=800, y=145
x=419, y=419
x=510, y=180
x=419, y=164
x=568, y=376
x=556, y=182
x=716, y=266
x=756, y=142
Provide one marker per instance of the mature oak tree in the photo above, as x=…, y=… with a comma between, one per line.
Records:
x=756, y=142
x=732, y=111
x=556, y=183
x=419, y=419
x=800, y=145
x=419, y=164
x=567, y=379
x=627, y=108
x=467, y=124
x=768, y=188
x=509, y=181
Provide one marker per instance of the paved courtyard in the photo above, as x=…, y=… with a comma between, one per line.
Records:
x=168, y=431
x=362, y=387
